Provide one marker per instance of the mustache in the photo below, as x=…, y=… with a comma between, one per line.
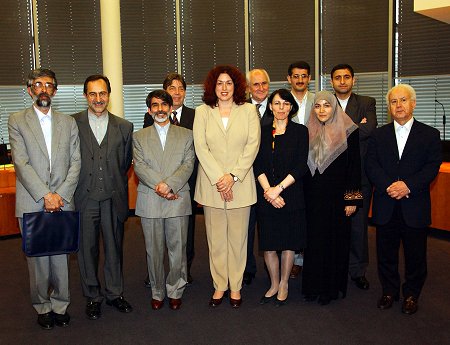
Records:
x=43, y=100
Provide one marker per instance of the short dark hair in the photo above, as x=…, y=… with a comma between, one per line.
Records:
x=342, y=66
x=41, y=72
x=209, y=86
x=160, y=94
x=287, y=96
x=171, y=77
x=95, y=77
x=300, y=65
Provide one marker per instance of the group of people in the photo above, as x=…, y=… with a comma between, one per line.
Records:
x=300, y=167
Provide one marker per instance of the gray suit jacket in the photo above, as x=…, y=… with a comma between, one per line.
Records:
x=118, y=160
x=172, y=165
x=309, y=103
x=34, y=179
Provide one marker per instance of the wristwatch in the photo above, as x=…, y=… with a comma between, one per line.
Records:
x=235, y=178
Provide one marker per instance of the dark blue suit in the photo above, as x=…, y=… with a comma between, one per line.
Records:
x=405, y=220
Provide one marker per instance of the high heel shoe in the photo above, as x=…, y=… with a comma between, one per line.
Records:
x=279, y=303
x=215, y=302
x=265, y=300
x=235, y=303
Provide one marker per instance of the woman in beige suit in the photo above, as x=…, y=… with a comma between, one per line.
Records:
x=226, y=138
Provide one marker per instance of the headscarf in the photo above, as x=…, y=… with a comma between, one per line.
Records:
x=327, y=140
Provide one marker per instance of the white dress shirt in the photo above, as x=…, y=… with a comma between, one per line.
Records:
x=46, y=125
x=343, y=102
x=262, y=108
x=301, y=108
x=162, y=132
x=401, y=134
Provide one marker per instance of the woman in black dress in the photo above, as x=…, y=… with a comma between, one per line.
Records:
x=332, y=192
x=279, y=167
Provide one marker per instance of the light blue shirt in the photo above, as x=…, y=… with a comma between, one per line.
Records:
x=98, y=124
x=162, y=132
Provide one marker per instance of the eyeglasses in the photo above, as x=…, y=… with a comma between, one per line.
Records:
x=300, y=76
x=395, y=102
x=39, y=86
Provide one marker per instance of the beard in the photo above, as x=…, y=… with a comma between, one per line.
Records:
x=160, y=119
x=43, y=100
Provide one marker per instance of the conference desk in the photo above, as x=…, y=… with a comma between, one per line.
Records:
x=440, y=198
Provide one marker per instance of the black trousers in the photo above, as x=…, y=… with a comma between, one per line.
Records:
x=414, y=240
x=250, y=265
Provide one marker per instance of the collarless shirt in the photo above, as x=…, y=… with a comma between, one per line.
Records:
x=343, y=102
x=99, y=125
x=301, y=107
x=401, y=134
x=162, y=133
x=45, y=120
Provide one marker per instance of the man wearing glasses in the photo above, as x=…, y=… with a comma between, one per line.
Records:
x=46, y=154
x=102, y=196
x=299, y=76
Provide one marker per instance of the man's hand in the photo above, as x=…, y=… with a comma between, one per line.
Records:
x=364, y=120
x=162, y=189
x=349, y=210
x=53, y=202
x=398, y=190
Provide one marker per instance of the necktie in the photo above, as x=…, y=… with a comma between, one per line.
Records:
x=174, y=119
x=257, y=109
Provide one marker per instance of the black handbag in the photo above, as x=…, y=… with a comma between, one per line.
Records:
x=50, y=233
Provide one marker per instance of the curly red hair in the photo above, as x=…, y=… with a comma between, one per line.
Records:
x=209, y=86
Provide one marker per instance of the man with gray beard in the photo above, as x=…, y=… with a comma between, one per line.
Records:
x=46, y=152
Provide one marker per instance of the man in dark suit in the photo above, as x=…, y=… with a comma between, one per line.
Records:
x=258, y=88
x=46, y=154
x=182, y=116
x=403, y=158
x=361, y=110
x=102, y=195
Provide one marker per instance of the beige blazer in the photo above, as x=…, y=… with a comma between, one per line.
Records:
x=230, y=150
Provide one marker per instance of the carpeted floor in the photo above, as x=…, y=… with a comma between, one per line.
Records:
x=353, y=320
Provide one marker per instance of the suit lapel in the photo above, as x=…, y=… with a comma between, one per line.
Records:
x=85, y=131
x=56, y=134
x=112, y=132
x=233, y=115
x=391, y=140
x=169, y=147
x=352, y=108
x=36, y=129
x=411, y=141
x=216, y=116
x=154, y=144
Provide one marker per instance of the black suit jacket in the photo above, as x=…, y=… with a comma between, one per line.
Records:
x=187, y=121
x=358, y=108
x=267, y=117
x=118, y=160
x=418, y=167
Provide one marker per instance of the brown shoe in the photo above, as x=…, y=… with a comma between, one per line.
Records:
x=175, y=303
x=386, y=301
x=296, y=269
x=156, y=304
x=410, y=305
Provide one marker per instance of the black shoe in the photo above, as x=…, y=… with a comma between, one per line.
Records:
x=46, y=321
x=62, y=320
x=248, y=277
x=280, y=303
x=310, y=298
x=324, y=300
x=93, y=310
x=189, y=279
x=147, y=282
x=410, y=305
x=361, y=282
x=120, y=304
x=265, y=300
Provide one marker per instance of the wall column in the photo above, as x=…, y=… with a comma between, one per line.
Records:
x=112, y=53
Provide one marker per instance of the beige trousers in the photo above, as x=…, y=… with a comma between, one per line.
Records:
x=226, y=231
